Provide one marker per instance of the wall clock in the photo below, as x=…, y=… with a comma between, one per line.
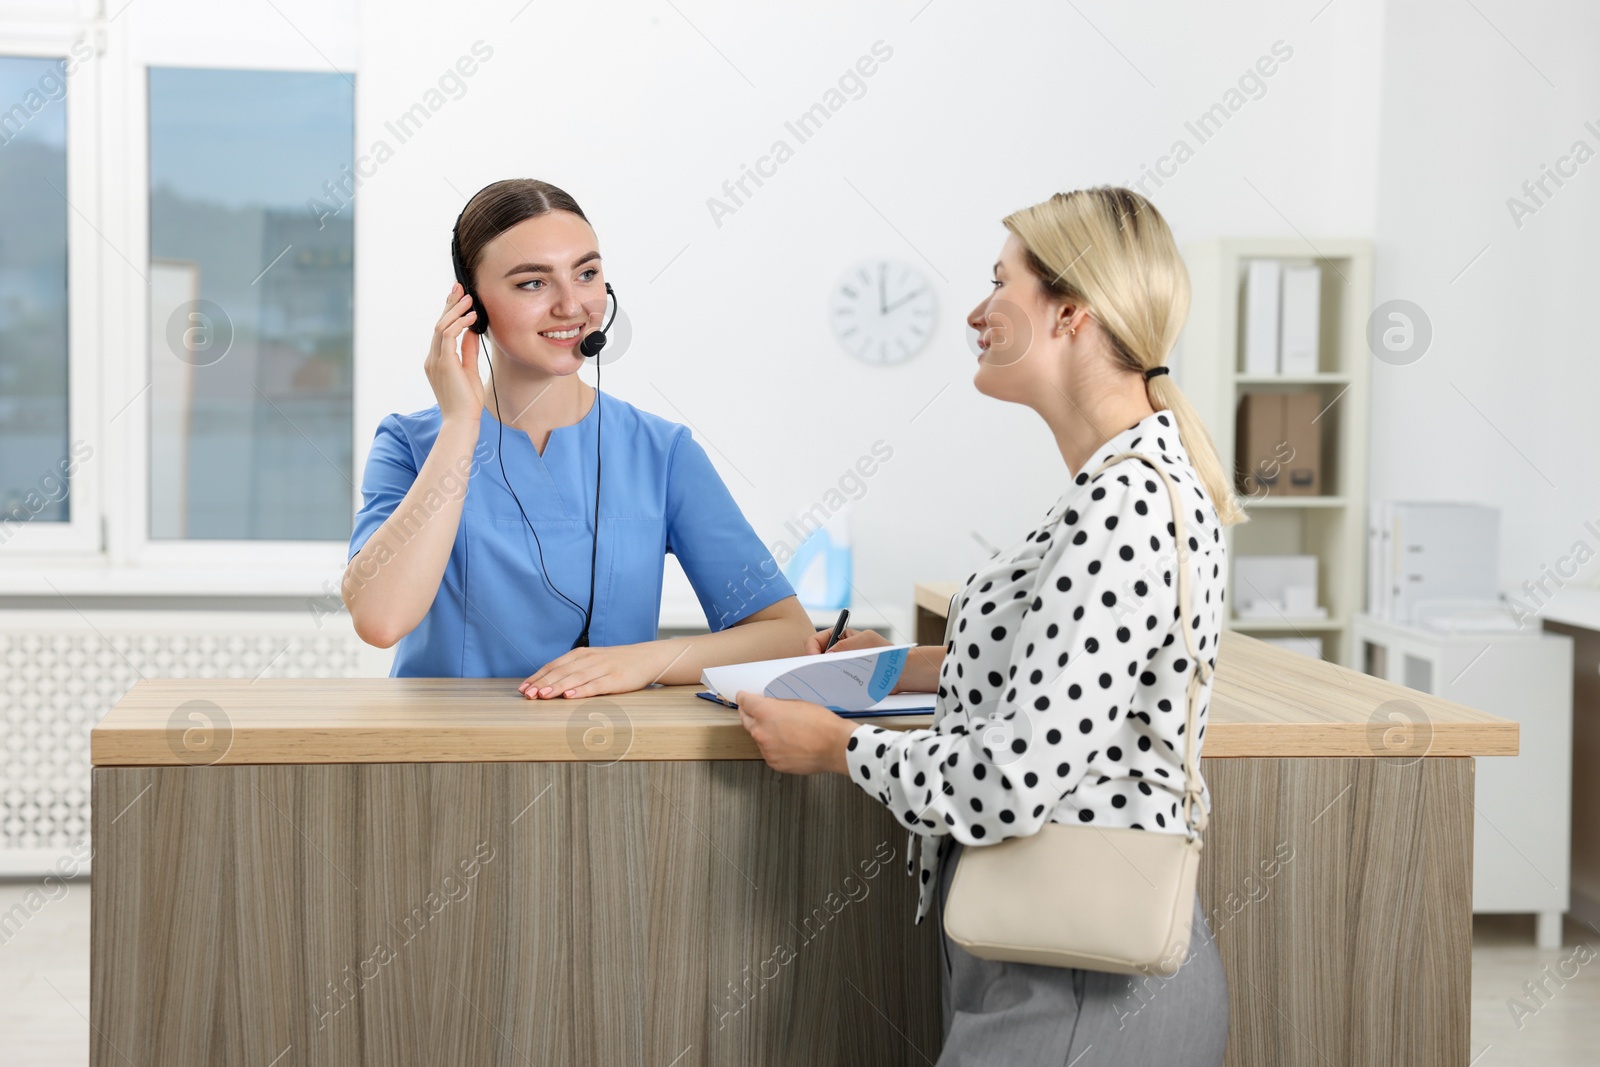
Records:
x=883, y=311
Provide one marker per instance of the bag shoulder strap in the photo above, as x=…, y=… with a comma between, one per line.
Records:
x=1194, y=814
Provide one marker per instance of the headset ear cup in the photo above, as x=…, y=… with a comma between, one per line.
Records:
x=480, y=322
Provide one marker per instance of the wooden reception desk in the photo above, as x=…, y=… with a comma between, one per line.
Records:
x=409, y=871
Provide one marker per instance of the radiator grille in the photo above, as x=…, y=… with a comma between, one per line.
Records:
x=59, y=675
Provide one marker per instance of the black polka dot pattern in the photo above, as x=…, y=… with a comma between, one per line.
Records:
x=1064, y=700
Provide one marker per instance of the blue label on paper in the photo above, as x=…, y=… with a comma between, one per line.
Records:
x=886, y=673
x=848, y=681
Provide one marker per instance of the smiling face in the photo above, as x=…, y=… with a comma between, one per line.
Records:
x=542, y=285
x=1020, y=349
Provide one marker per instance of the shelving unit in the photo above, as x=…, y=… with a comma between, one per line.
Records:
x=1331, y=527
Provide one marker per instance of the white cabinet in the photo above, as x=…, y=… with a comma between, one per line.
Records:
x=1521, y=859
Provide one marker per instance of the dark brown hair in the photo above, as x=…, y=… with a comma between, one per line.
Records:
x=496, y=208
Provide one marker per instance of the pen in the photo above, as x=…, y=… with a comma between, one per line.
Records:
x=838, y=628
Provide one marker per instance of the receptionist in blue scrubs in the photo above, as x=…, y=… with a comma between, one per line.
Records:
x=519, y=529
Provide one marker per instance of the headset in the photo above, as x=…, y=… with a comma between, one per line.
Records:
x=589, y=348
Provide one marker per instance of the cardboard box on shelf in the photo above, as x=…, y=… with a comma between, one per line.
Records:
x=1279, y=445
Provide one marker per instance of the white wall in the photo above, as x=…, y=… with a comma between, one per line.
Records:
x=1501, y=409
x=980, y=110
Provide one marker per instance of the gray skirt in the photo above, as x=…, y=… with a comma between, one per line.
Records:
x=1019, y=1014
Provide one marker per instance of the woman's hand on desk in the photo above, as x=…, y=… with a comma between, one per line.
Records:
x=596, y=669
x=796, y=736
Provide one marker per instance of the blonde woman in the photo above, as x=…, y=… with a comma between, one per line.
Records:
x=1062, y=696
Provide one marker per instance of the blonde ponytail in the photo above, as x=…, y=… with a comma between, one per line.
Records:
x=1109, y=249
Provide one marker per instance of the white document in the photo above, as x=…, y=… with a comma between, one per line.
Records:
x=1261, y=316
x=855, y=682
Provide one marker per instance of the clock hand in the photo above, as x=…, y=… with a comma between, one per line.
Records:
x=902, y=301
x=881, y=295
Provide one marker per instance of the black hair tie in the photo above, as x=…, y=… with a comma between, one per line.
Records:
x=1153, y=371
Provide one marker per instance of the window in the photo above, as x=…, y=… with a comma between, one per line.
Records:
x=176, y=298
x=251, y=306
x=36, y=456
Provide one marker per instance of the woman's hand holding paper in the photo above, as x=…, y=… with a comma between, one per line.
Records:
x=796, y=736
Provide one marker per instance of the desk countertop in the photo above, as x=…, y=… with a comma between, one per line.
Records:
x=1266, y=701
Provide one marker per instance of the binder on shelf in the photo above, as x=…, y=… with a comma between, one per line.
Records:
x=1440, y=550
x=1262, y=284
x=1380, y=563
x=1301, y=312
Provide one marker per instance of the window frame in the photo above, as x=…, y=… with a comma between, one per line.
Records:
x=105, y=547
x=142, y=550
x=81, y=534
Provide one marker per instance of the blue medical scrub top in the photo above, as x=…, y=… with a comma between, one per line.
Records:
x=495, y=616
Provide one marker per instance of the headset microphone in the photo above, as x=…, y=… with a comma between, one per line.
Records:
x=589, y=347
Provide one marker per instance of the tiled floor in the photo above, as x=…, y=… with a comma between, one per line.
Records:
x=1530, y=1006
x=44, y=973
x=44, y=985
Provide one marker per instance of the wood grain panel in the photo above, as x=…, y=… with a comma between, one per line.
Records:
x=688, y=912
x=1266, y=701
x=706, y=913
x=1357, y=948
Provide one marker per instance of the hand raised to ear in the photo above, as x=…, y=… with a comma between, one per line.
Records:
x=455, y=378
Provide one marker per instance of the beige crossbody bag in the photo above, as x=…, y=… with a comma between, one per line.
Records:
x=1097, y=898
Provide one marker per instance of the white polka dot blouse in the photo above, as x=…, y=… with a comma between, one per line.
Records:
x=1062, y=696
